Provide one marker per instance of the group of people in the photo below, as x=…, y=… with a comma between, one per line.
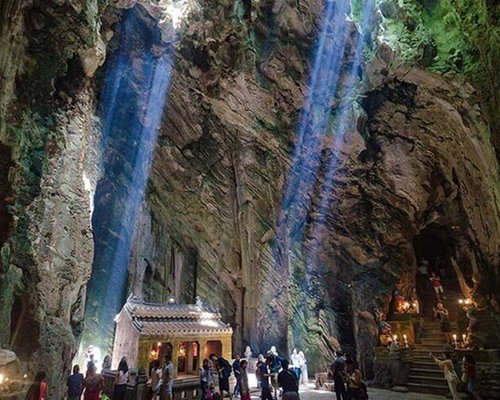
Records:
x=162, y=379
x=347, y=378
x=468, y=377
x=275, y=376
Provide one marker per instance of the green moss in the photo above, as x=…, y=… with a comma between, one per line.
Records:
x=448, y=37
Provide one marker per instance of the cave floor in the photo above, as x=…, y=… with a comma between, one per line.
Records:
x=374, y=394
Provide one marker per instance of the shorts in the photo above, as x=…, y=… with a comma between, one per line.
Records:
x=274, y=380
x=224, y=384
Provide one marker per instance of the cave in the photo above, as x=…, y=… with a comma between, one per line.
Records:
x=436, y=246
x=289, y=166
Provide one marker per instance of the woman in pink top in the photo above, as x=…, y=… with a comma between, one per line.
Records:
x=38, y=390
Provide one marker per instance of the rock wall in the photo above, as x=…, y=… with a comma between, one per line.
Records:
x=49, y=139
x=416, y=159
x=416, y=162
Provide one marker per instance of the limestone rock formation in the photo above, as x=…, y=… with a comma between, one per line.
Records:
x=49, y=139
x=415, y=166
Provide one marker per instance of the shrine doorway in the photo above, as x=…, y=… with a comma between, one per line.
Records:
x=213, y=347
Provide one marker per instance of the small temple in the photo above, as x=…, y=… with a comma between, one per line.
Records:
x=146, y=332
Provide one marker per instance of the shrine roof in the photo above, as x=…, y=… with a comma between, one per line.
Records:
x=156, y=319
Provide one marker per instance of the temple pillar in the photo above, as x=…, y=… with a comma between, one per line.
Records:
x=175, y=355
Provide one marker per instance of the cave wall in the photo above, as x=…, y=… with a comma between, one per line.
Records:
x=418, y=156
x=46, y=121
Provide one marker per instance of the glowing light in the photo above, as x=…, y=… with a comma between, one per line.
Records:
x=133, y=101
x=461, y=301
x=209, y=323
x=176, y=11
x=326, y=117
x=25, y=376
x=171, y=300
x=2, y=379
x=88, y=188
x=159, y=344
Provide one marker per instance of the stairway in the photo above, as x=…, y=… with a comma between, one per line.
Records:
x=425, y=376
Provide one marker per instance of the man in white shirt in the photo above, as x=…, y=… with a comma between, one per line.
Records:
x=168, y=379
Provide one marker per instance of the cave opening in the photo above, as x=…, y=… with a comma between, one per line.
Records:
x=436, y=246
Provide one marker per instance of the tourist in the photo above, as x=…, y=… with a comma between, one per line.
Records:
x=223, y=369
x=338, y=371
x=304, y=376
x=295, y=358
x=121, y=379
x=93, y=384
x=469, y=376
x=75, y=384
x=265, y=386
x=356, y=389
x=206, y=380
x=38, y=389
x=274, y=364
x=450, y=375
x=155, y=379
x=237, y=375
x=167, y=378
x=442, y=315
x=244, y=386
x=436, y=284
x=287, y=379
x=260, y=360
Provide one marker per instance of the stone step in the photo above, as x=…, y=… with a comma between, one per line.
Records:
x=426, y=364
x=436, y=340
x=426, y=388
x=428, y=349
x=415, y=371
x=432, y=380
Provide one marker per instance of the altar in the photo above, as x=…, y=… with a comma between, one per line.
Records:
x=146, y=332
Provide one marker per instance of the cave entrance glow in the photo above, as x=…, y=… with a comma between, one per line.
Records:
x=132, y=102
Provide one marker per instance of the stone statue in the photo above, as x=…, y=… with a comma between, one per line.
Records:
x=106, y=363
x=248, y=353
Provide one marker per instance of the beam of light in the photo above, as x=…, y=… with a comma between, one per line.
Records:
x=342, y=123
x=324, y=79
x=132, y=104
x=319, y=119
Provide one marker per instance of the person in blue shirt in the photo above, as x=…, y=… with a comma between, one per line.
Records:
x=265, y=385
x=75, y=384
